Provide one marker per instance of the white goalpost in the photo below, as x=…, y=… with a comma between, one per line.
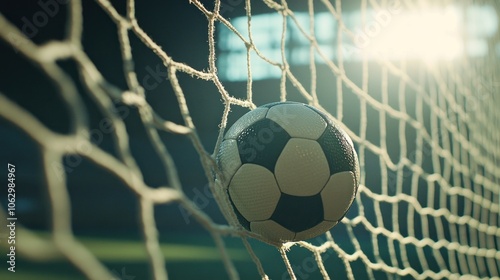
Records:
x=415, y=84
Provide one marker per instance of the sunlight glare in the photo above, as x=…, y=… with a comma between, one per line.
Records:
x=434, y=34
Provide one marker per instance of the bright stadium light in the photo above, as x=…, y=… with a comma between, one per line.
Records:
x=429, y=35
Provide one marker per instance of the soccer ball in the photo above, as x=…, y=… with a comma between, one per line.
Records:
x=289, y=171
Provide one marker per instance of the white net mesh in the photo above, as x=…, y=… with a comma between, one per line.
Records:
x=425, y=129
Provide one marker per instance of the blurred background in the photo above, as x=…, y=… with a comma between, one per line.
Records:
x=105, y=212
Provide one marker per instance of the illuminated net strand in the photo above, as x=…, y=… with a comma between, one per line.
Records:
x=462, y=259
x=488, y=181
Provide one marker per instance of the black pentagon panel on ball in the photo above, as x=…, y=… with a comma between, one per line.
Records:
x=261, y=143
x=338, y=150
x=241, y=219
x=298, y=213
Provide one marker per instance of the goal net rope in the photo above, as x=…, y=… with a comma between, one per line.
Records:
x=426, y=132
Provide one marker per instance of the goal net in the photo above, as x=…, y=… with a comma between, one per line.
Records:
x=414, y=83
